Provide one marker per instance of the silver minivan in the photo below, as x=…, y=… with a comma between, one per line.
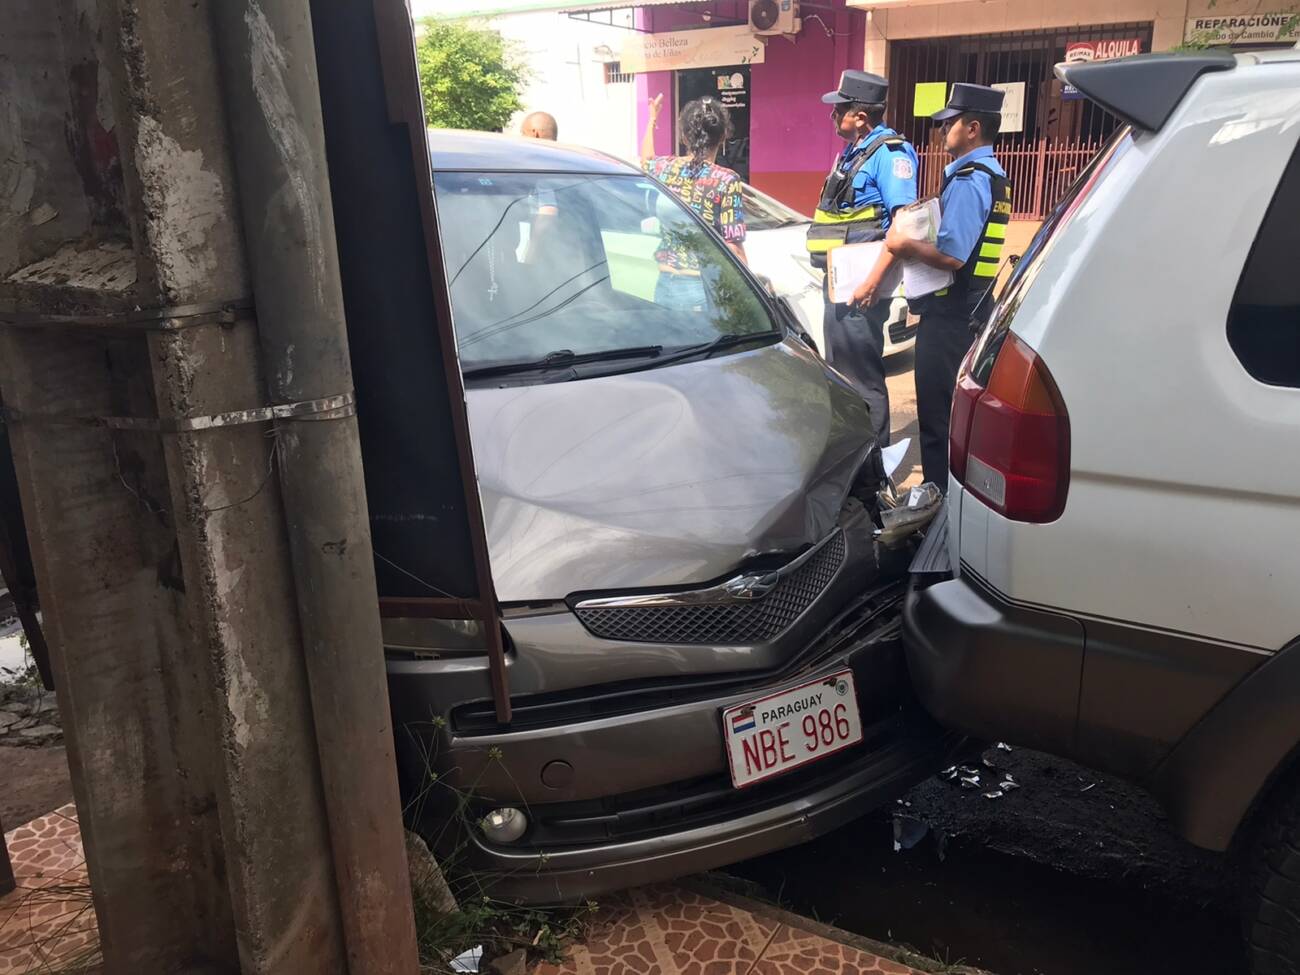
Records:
x=680, y=503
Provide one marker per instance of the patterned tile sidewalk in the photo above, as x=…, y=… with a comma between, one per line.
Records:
x=48, y=923
x=677, y=930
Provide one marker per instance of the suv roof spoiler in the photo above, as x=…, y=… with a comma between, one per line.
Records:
x=1144, y=89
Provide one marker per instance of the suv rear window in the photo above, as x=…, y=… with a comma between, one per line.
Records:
x=1264, y=321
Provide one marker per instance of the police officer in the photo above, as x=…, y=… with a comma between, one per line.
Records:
x=872, y=177
x=976, y=208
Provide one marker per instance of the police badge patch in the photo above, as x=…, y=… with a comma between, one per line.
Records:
x=902, y=168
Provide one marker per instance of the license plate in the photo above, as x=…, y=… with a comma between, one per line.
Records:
x=785, y=731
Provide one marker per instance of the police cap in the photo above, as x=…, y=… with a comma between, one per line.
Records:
x=858, y=86
x=971, y=98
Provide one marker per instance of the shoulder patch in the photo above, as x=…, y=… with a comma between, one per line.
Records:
x=903, y=168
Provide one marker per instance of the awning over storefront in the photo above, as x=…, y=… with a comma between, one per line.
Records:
x=462, y=9
x=878, y=4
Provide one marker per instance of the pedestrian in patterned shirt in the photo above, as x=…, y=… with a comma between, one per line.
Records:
x=711, y=190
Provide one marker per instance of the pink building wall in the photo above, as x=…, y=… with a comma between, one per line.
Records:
x=792, y=139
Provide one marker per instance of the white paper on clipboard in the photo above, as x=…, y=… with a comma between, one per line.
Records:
x=849, y=265
x=920, y=221
x=921, y=279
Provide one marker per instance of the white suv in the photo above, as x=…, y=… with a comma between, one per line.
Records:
x=1118, y=579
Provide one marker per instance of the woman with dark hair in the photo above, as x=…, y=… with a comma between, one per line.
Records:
x=712, y=191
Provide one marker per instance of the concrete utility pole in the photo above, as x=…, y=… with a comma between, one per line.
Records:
x=174, y=369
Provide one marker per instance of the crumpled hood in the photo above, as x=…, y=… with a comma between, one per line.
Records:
x=664, y=477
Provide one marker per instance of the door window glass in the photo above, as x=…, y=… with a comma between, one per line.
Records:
x=1264, y=322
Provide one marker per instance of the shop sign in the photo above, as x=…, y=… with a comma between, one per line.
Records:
x=1102, y=50
x=1013, y=105
x=709, y=48
x=1249, y=29
x=1082, y=51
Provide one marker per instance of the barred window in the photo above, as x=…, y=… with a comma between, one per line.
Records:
x=615, y=76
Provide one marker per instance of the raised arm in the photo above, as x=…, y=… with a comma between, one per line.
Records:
x=648, y=140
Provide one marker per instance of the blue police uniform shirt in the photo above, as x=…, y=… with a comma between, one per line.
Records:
x=965, y=204
x=888, y=178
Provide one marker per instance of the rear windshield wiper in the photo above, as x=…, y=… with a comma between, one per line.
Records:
x=561, y=358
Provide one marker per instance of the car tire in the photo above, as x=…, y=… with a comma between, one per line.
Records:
x=1271, y=906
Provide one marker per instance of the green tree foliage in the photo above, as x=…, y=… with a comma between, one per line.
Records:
x=469, y=77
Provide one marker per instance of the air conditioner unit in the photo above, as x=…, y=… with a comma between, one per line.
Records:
x=774, y=16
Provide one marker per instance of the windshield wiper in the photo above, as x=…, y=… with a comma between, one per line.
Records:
x=562, y=358
x=726, y=341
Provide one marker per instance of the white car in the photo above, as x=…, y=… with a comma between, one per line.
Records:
x=776, y=249
x=1123, y=516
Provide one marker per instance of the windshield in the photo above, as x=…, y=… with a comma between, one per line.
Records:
x=569, y=265
x=762, y=212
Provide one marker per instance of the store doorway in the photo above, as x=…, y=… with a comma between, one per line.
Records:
x=730, y=85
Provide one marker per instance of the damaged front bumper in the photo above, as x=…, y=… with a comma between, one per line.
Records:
x=625, y=781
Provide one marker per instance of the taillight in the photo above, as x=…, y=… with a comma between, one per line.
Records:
x=1009, y=442
x=964, y=398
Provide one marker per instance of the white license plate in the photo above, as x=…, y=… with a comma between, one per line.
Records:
x=785, y=731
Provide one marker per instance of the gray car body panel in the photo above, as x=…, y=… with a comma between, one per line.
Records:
x=663, y=477
x=657, y=480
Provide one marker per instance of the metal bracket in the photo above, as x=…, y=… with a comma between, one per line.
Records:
x=172, y=318
x=326, y=408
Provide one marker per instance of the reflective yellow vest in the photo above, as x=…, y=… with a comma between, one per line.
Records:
x=972, y=286
x=835, y=222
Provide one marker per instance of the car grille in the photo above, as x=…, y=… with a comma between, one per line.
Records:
x=901, y=330
x=873, y=619
x=722, y=623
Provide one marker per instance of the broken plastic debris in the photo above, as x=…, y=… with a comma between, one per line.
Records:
x=908, y=832
x=949, y=773
x=994, y=794
x=1002, y=746
x=970, y=782
x=1090, y=785
x=919, y=506
x=469, y=961
x=893, y=455
x=923, y=495
x=1008, y=783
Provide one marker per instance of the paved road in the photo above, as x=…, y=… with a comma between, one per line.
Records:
x=902, y=414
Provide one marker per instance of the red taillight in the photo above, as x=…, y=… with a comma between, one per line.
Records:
x=964, y=398
x=1009, y=443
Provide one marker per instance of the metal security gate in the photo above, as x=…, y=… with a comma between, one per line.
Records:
x=1041, y=171
x=1061, y=131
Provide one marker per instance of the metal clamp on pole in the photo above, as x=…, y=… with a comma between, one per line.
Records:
x=171, y=318
x=326, y=408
